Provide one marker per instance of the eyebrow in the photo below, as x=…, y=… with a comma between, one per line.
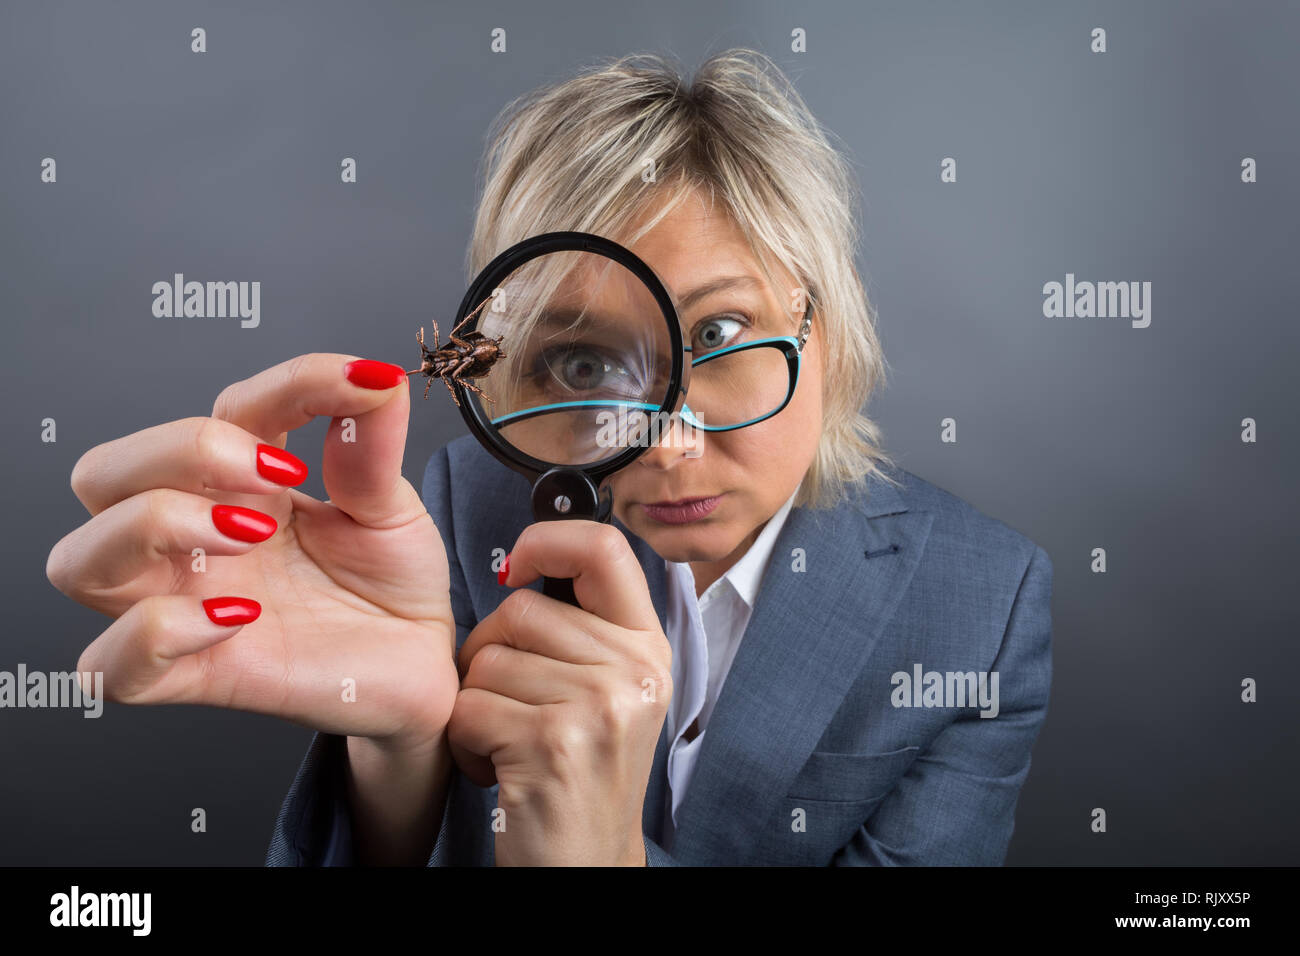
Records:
x=566, y=315
x=720, y=284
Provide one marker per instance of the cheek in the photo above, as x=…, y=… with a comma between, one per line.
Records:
x=800, y=422
x=807, y=400
x=795, y=430
x=779, y=447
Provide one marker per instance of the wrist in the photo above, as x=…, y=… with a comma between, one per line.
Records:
x=396, y=792
x=636, y=854
x=375, y=760
x=399, y=748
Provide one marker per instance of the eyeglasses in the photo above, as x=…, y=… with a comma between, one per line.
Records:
x=741, y=385
x=730, y=387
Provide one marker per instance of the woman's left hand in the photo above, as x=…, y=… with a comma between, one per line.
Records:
x=563, y=706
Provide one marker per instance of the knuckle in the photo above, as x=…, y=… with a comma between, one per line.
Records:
x=93, y=661
x=58, y=566
x=661, y=676
x=153, y=505
x=613, y=711
x=83, y=473
x=462, y=714
x=519, y=604
x=157, y=509
x=206, y=436
x=482, y=665
x=610, y=545
x=228, y=401
x=152, y=626
x=88, y=662
x=662, y=661
x=525, y=536
x=653, y=657
x=559, y=737
x=89, y=472
x=663, y=685
x=296, y=370
x=466, y=713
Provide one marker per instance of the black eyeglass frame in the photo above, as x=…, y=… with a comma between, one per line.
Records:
x=790, y=346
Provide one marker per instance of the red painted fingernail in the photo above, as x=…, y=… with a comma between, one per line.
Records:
x=243, y=524
x=505, y=571
x=276, y=464
x=371, y=374
x=228, y=611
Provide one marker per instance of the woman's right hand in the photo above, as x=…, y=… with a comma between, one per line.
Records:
x=355, y=634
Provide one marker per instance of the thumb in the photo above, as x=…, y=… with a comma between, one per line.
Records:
x=362, y=463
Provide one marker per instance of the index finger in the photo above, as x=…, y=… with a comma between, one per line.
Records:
x=608, y=580
x=283, y=397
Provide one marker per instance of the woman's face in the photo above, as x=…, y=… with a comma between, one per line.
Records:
x=753, y=469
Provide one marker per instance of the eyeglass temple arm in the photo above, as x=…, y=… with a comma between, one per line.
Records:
x=806, y=324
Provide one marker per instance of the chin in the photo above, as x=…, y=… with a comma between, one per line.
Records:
x=684, y=543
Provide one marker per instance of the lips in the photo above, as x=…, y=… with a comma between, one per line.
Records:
x=680, y=501
x=682, y=512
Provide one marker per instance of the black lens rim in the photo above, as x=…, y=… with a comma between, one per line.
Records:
x=501, y=267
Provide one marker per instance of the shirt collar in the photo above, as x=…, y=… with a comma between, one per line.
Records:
x=746, y=574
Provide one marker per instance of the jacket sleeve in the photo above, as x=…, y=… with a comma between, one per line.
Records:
x=436, y=492
x=314, y=827
x=655, y=855
x=956, y=804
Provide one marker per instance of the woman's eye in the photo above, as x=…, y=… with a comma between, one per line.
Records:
x=717, y=333
x=581, y=369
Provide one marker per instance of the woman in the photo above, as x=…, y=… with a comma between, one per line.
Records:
x=830, y=661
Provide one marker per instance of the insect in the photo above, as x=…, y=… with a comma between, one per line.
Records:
x=462, y=358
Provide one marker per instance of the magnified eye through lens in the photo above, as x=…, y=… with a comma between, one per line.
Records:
x=586, y=371
x=585, y=341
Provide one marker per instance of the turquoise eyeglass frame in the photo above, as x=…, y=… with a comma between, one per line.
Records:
x=790, y=346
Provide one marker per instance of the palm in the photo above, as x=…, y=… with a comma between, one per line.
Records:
x=340, y=602
x=355, y=635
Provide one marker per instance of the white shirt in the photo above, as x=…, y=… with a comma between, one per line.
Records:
x=704, y=634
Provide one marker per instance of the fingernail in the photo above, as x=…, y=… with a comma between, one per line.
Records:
x=505, y=571
x=371, y=374
x=276, y=464
x=228, y=611
x=242, y=524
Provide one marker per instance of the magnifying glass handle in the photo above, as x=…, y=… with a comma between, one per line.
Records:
x=561, y=589
x=583, y=501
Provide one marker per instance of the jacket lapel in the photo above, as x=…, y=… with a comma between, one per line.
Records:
x=656, y=575
x=807, y=640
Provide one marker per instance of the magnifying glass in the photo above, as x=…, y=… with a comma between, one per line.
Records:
x=566, y=357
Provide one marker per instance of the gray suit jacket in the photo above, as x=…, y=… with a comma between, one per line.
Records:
x=815, y=754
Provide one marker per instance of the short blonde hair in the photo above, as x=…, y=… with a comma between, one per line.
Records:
x=571, y=155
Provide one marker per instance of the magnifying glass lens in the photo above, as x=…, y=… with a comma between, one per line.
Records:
x=583, y=358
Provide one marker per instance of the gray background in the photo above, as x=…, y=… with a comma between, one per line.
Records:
x=1080, y=433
